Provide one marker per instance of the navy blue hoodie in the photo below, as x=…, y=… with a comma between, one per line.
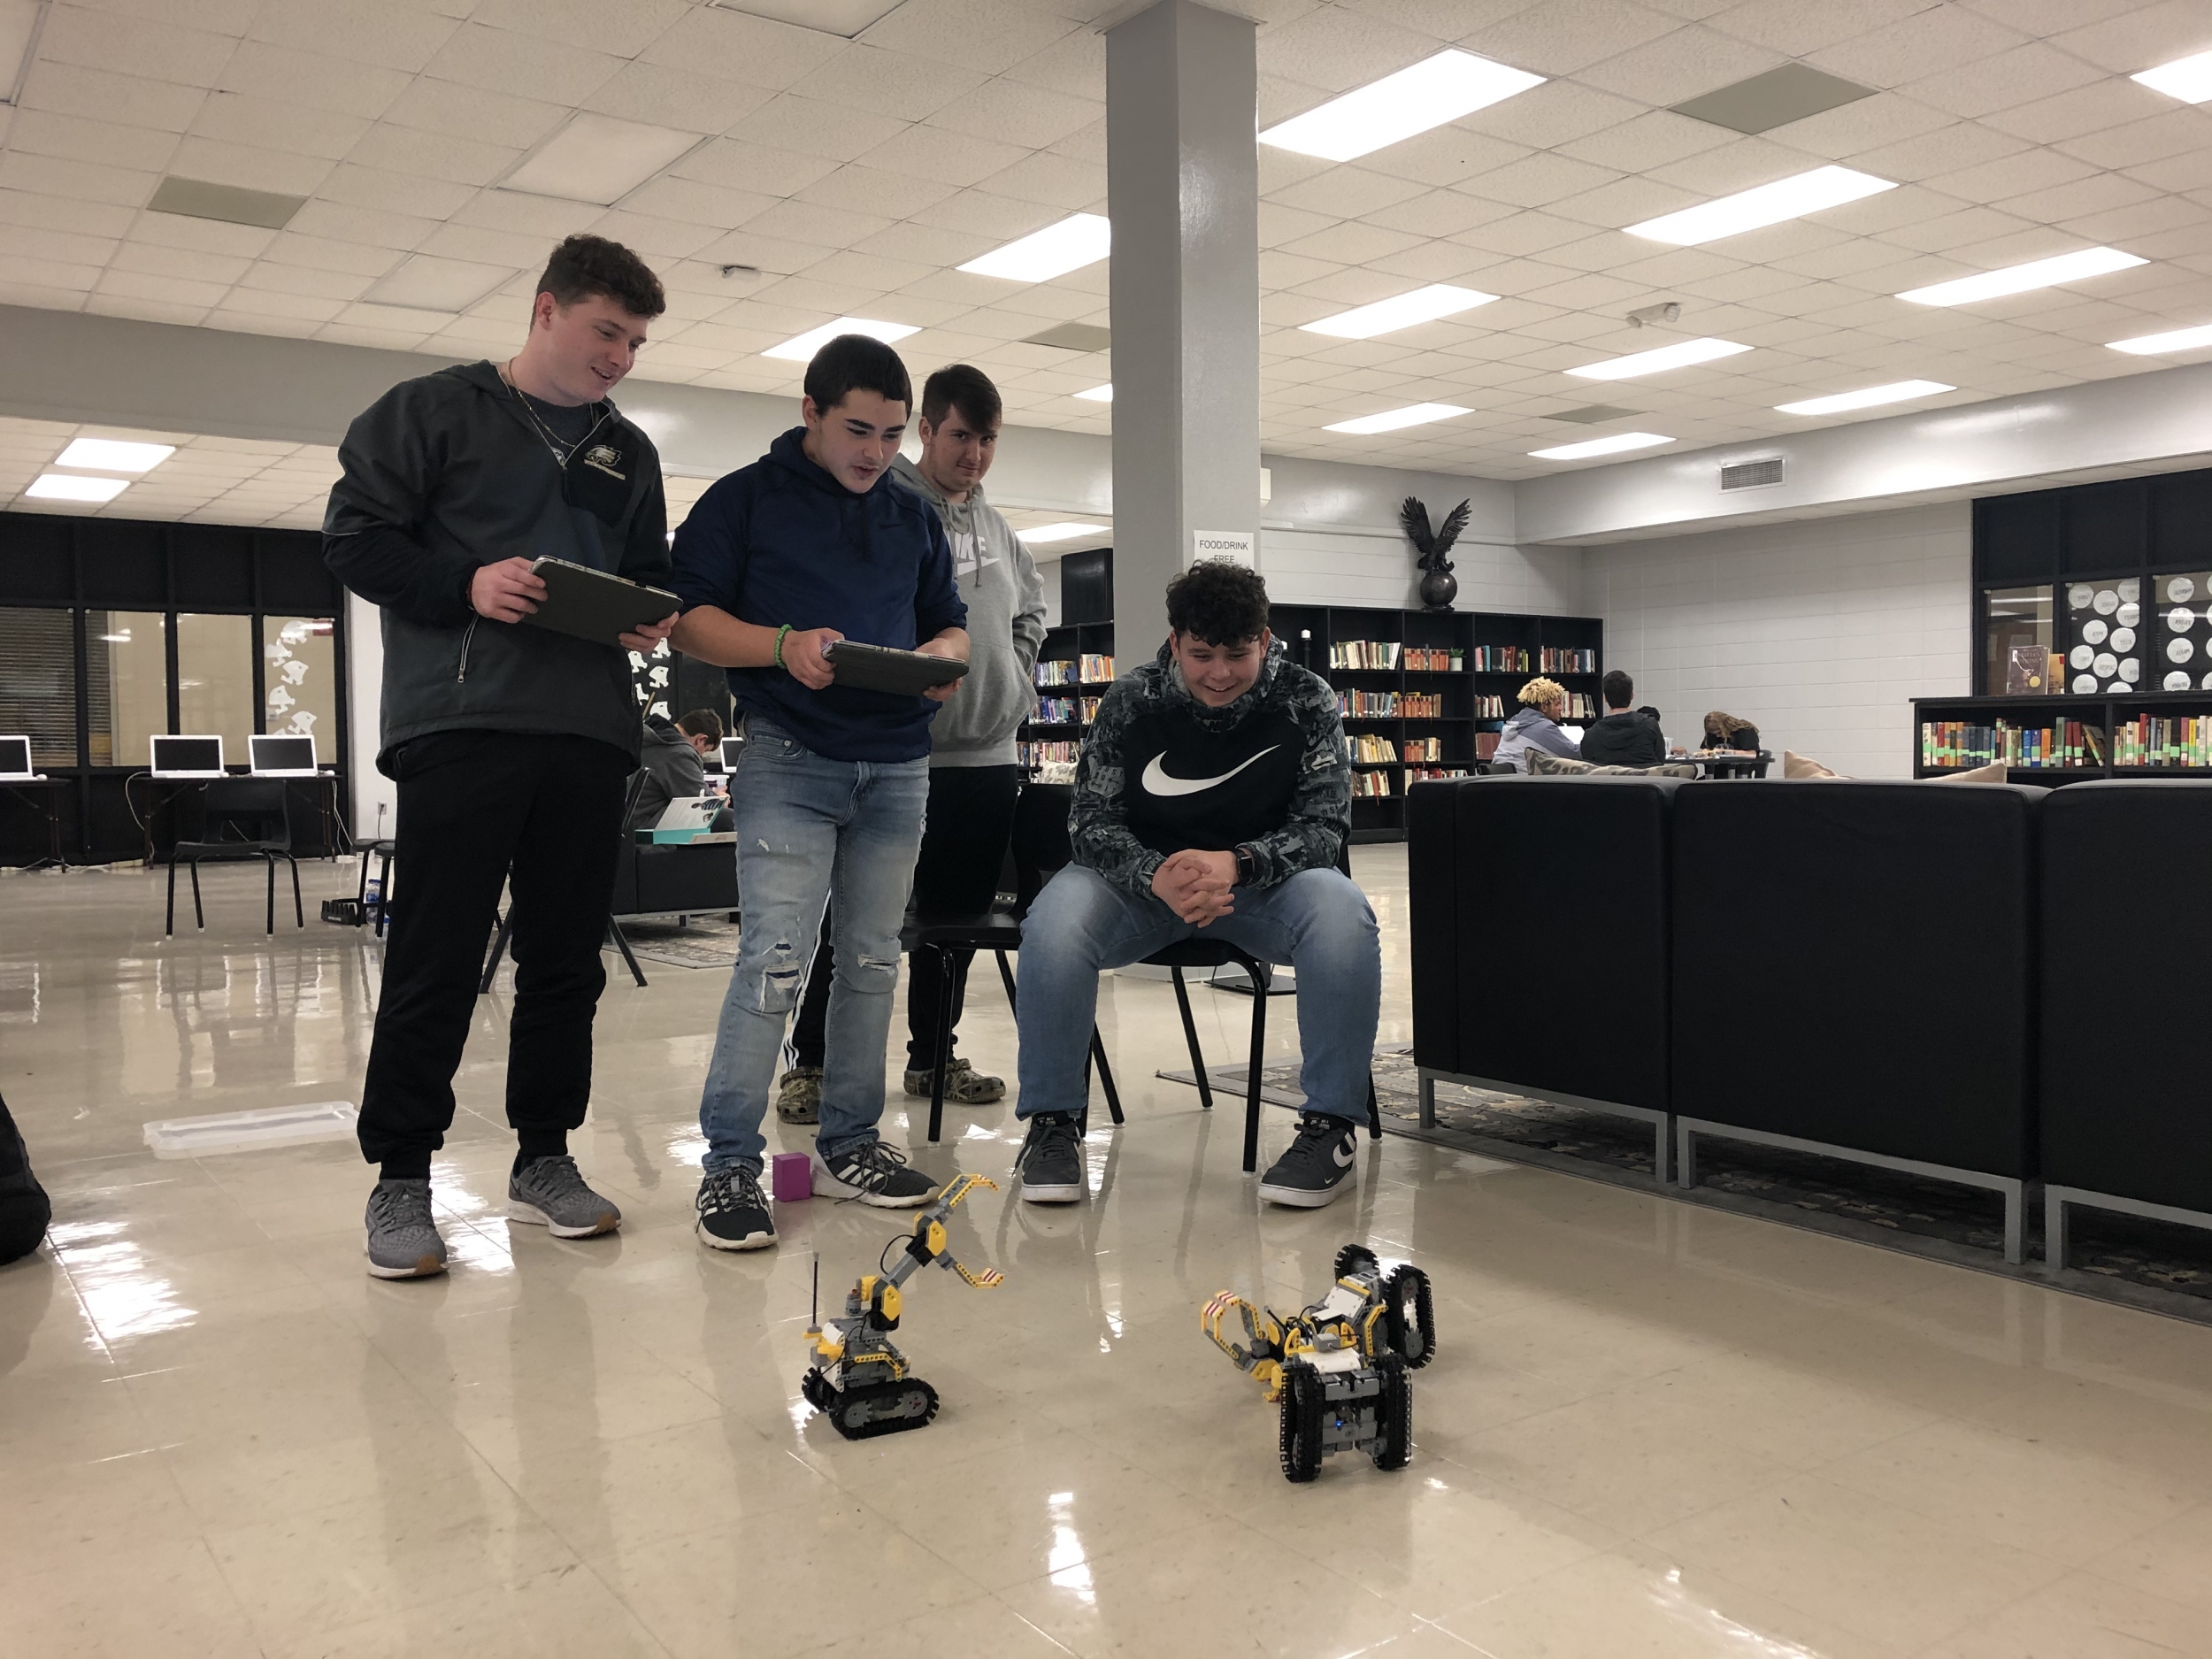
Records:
x=781, y=541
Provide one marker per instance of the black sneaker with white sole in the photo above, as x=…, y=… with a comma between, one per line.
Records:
x=873, y=1173
x=733, y=1215
x=1313, y=1170
x=1051, y=1160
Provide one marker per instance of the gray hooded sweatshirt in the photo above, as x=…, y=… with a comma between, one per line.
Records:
x=1005, y=598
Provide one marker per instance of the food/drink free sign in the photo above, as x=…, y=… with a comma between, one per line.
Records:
x=1238, y=546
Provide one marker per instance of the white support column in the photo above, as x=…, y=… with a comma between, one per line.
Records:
x=1183, y=188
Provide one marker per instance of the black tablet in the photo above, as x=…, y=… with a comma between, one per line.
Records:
x=879, y=668
x=594, y=605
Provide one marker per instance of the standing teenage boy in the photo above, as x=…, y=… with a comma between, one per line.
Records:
x=778, y=561
x=510, y=745
x=1214, y=792
x=974, y=774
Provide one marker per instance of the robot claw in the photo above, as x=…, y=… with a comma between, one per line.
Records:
x=859, y=1380
x=1338, y=1368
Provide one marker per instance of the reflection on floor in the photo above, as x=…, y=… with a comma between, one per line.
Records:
x=1651, y=1429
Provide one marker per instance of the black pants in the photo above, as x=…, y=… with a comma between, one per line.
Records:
x=964, y=838
x=477, y=809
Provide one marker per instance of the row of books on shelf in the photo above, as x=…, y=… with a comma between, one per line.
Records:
x=2151, y=740
x=1499, y=659
x=1089, y=669
x=1065, y=711
x=1490, y=708
x=1034, y=755
x=1560, y=659
x=1433, y=774
x=1373, y=751
x=1368, y=785
x=1364, y=654
x=1387, y=705
x=1582, y=706
x=1434, y=659
x=1964, y=744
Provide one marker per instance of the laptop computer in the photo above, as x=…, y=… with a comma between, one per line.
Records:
x=184, y=758
x=15, y=760
x=691, y=812
x=282, y=756
x=732, y=748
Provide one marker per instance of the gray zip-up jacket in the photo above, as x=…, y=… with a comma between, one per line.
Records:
x=1531, y=728
x=1005, y=597
x=445, y=473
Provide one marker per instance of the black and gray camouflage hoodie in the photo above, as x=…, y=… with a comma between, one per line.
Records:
x=1162, y=772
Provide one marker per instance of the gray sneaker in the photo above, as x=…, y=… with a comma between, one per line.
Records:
x=402, y=1240
x=549, y=1193
x=1051, y=1161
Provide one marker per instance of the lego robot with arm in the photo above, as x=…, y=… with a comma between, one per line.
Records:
x=1338, y=1368
x=859, y=1378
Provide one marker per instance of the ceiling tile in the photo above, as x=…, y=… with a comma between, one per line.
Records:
x=882, y=83
x=624, y=30
x=1796, y=29
x=1344, y=192
x=472, y=113
x=395, y=37
x=810, y=127
x=86, y=181
x=751, y=168
x=72, y=138
x=928, y=151
x=1564, y=36
x=992, y=35
x=1060, y=180
x=871, y=190
x=751, y=51
x=1016, y=112
x=660, y=95
x=1678, y=65
x=138, y=46
x=314, y=79
x=285, y=172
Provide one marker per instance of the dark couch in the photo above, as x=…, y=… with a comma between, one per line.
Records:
x=689, y=878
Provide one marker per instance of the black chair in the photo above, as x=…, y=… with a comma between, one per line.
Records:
x=1040, y=848
x=615, y=935
x=382, y=849
x=245, y=818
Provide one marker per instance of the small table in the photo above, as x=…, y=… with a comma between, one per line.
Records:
x=1739, y=763
x=48, y=804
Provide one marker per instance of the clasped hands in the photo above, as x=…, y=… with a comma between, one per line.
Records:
x=1197, y=886
x=509, y=590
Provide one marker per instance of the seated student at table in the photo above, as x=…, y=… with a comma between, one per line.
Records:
x=1214, y=794
x=675, y=762
x=1627, y=736
x=1536, y=725
x=1728, y=734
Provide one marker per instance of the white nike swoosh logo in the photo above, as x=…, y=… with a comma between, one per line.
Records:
x=1343, y=1156
x=1157, y=781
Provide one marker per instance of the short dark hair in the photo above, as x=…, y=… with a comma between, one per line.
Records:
x=592, y=267
x=965, y=388
x=854, y=363
x=1217, y=601
x=702, y=723
x=1620, y=690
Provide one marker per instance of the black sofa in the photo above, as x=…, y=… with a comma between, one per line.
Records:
x=2127, y=1104
x=1526, y=889
x=677, y=878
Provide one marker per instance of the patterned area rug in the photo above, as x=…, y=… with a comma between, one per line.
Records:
x=2144, y=1264
x=703, y=943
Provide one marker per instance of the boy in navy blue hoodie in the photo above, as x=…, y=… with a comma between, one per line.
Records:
x=779, y=559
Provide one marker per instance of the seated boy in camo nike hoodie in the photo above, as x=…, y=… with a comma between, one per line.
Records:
x=1214, y=792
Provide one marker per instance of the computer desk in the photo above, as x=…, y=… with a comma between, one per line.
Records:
x=42, y=795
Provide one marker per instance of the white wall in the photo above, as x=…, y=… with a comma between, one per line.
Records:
x=1819, y=632
x=365, y=675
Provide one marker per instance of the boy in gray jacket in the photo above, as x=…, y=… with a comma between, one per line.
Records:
x=974, y=774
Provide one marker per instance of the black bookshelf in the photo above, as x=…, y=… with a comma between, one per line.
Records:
x=1313, y=634
x=2108, y=720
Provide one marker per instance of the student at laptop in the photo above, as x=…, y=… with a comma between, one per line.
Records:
x=1214, y=792
x=510, y=745
x=776, y=562
x=674, y=763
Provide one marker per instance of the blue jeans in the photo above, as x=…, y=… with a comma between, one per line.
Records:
x=1317, y=922
x=809, y=827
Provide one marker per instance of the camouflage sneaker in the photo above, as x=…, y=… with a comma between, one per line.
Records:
x=799, y=1096
x=551, y=1193
x=402, y=1239
x=964, y=1086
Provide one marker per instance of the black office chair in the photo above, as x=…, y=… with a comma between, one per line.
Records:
x=245, y=818
x=615, y=936
x=1039, y=847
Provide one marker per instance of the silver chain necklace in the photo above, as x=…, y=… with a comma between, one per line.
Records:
x=553, y=444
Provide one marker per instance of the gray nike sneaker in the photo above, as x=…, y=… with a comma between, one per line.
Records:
x=1051, y=1161
x=402, y=1239
x=549, y=1193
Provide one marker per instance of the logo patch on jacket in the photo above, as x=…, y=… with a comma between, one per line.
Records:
x=607, y=459
x=1184, y=784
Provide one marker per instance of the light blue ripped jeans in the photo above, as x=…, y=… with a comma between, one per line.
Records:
x=809, y=827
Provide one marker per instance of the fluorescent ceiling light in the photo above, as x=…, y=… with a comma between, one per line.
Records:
x=1064, y=531
x=113, y=455
x=1384, y=317
x=1392, y=420
x=2037, y=274
x=1895, y=392
x=2178, y=340
x=2188, y=78
x=61, y=486
x=1613, y=445
x=1436, y=91
x=1098, y=394
x=596, y=159
x=1767, y=204
x=799, y=348
x=1658, y=361
x=1078, y=240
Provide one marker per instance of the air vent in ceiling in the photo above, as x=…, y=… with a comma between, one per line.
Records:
x=233, y=204
x=1073, y=337
x=1774, y=99
x=1590, y=414
x=1752, y=474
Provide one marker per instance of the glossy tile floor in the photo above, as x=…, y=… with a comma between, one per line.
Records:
x=1652, y=1429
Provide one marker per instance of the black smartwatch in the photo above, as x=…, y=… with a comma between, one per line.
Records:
x=1248, y=867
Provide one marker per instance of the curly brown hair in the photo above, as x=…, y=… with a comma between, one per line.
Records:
x=587, y=267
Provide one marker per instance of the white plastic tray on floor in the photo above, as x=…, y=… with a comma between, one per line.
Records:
x=242, y=1132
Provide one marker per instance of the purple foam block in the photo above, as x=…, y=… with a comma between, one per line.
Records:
x=791, y=1177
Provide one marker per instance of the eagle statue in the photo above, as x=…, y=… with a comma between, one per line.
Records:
x=1439, y=586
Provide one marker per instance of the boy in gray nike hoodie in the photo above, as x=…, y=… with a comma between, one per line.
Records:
x=974, y=774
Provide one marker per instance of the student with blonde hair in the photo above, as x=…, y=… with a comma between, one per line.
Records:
x=1536, y=725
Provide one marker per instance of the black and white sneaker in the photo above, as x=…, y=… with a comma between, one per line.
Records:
x=1050, y=1163
x=1313, y=1171
x=733, y=1215
x=873, y=1173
